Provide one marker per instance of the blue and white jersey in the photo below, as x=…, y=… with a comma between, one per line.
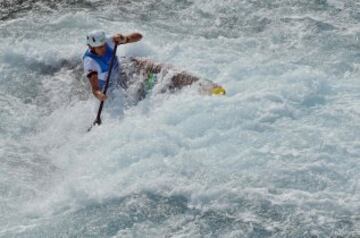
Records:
x=101, y=64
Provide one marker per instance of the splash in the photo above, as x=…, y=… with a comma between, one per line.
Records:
x=276, y=157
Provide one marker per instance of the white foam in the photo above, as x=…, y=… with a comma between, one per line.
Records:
x=280, y=150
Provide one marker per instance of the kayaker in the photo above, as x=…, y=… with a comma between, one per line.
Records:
x=98, y=56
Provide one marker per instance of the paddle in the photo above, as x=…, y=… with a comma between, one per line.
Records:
x=98, y=117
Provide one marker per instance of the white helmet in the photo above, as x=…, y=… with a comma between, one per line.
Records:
x=96, y=38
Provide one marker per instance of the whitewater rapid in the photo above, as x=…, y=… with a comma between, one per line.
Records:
x=278, y=156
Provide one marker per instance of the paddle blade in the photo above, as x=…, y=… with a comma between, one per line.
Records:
x=97, y=122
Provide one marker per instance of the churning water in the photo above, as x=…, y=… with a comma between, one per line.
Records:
x=278, y=156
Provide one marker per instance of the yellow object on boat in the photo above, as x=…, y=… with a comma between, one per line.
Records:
x=218, y=90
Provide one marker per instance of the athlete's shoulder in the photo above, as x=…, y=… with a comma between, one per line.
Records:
x=90, y=64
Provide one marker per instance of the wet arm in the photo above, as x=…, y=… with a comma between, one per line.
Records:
x=125, y=39
x=94, y=82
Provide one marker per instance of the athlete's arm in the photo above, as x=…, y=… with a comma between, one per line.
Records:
x=94, y=81
x=125, y=39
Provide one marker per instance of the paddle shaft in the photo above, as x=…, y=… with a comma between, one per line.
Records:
x=98, y=117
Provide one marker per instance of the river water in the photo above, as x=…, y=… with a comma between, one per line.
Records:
x=278, y=156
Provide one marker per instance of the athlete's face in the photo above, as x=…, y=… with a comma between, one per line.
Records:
x=100, y=50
